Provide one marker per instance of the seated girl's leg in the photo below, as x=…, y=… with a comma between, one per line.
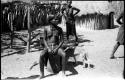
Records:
x=63, y=55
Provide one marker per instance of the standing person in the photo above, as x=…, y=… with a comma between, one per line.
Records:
x=69, y=15
x=120, y=36
x=53, y=40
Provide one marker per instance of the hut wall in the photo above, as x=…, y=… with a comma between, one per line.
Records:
x=93, y=21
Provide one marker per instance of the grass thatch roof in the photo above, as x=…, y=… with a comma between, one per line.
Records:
x=28, y=1
x=6, y=1
x=89, y=7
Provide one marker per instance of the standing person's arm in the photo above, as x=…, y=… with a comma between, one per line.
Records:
x=119, y=18
x=77, y=11
x=63, y=12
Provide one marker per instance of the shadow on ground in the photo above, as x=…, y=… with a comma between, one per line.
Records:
x=69, y=53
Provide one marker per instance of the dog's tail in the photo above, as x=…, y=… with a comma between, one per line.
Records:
x=86, y=56
x=34, y=64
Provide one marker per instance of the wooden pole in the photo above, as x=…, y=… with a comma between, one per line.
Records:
x=12, y=31
x=111, y=20
x=29, y=31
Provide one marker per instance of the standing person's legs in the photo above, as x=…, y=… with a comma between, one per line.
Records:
x=63, y=55
x=43, y=60
x=114, y=50
x=67, y=30
x=74, y=32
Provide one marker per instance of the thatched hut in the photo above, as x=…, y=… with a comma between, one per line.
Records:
x=95, y=15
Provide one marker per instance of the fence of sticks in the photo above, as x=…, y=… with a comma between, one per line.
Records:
x=18, y=10
x=18, y=16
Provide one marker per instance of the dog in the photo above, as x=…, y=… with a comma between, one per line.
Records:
x=87, y=63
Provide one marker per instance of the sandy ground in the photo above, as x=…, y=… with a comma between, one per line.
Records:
x=97, y=44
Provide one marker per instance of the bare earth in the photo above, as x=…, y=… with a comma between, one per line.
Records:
x=97, y=44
